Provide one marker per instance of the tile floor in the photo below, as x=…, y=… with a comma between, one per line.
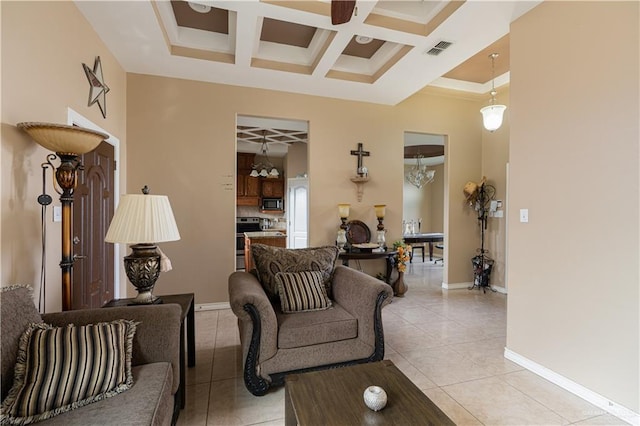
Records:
x=449, y=343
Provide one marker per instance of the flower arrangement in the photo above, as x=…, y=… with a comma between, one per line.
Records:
x=404, y=253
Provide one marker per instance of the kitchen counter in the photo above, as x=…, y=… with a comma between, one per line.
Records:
x=264, y=234
x=269, y=238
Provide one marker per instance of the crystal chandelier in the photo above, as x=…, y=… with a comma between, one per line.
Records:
x=266, y=168
x=419, y=175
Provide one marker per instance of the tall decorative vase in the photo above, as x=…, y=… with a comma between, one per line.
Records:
x=399, y=286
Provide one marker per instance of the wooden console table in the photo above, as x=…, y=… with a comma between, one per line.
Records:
x=186, y=302
x=389, y=256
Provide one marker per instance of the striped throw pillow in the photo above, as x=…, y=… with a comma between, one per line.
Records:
x=302, y=291
x=62, y=368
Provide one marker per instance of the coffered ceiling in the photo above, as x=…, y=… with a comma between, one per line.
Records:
x=388, y=51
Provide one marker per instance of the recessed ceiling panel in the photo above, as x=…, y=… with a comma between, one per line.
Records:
x=289, y=33
x=362, y=50
x=216, y=20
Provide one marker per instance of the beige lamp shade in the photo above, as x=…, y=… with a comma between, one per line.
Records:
x=343, y=210
x=380, y=210
x=143, y=218
x=63, y=139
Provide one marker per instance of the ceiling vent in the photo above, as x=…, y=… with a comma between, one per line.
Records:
x=439, y=48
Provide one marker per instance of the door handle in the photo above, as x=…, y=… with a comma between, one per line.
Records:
x=78, y=256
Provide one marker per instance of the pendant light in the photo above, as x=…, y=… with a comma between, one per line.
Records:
x=492, y=114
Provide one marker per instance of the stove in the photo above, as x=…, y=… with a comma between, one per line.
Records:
x=244, y=224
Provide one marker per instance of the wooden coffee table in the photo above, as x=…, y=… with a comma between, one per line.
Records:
x=335, y=397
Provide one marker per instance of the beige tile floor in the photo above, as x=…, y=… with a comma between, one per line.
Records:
x=449, y=343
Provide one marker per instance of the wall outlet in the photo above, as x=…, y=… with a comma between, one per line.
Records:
x=524, y=215
x=498, y=213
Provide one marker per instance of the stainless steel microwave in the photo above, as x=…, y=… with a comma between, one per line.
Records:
x=272, y=204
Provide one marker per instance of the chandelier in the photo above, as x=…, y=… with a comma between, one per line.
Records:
x=265, y=168
x=419, y=175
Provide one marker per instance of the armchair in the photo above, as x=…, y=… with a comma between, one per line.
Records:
x=275, y=343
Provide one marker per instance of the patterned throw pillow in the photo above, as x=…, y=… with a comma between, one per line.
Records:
x=302, y=291
x=270, y=260
x=63, y=368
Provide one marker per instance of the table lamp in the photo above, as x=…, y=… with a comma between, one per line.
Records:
x=69, y=143
x=380, y=210
x=143, y=220
x=343, y=212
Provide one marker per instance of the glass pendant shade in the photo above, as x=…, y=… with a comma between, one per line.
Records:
x=419, y=175
x=380, y=210
x=492, y=116
x=343, y=210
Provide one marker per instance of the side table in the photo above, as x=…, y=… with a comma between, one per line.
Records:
x=186, y=302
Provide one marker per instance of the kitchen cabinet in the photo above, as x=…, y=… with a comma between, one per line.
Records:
x=247, y=187
x=273, y=188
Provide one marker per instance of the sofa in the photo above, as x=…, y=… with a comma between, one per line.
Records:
x=152, y=360
x=276, y=343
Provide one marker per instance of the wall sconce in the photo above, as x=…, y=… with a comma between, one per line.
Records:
x=143, y=220
x=69, y=143
x=492, y=114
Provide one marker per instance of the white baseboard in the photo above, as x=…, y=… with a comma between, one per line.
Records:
x=502, y=290
x=212, y=306
x=455, y=286
x=588, y=395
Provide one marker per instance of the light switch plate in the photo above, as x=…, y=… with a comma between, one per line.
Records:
x=524, y=215
x=57, y=213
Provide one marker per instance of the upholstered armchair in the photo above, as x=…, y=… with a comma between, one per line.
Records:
x=299, y=312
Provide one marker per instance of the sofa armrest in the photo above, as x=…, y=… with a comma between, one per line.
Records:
x=358, y=293
x=245, y=294
x=157, y=336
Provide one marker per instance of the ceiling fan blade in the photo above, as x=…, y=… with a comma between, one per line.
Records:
x=341, y=11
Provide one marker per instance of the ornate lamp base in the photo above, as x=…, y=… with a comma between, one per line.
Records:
x=143, y=269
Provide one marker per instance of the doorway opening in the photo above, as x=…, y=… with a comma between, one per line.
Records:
x=424, y=192
x=271, y=179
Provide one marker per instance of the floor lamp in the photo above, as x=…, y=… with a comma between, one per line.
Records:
x=69, y=143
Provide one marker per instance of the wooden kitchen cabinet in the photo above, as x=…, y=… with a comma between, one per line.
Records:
x=273, y=188
x=247, y=187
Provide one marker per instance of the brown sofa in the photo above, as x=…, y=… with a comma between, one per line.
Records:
x=155, y=362
x=275, y=344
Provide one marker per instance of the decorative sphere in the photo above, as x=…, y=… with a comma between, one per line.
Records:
x=375, y=398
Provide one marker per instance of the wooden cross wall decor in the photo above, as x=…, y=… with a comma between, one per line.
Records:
x=361, y=171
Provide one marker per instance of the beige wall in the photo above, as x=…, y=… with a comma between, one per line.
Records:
x=573, y=268
x=181, y=141
x=44, y=45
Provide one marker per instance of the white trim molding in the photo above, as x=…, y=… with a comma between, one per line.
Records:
x=456, y=286
x=588, y=395
x=212, y=306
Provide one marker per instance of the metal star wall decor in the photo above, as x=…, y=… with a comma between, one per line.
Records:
x=98, y=89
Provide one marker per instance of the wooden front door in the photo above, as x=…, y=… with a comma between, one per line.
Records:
x=93, y=269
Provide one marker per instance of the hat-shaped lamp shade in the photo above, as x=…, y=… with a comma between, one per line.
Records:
x=143, y=220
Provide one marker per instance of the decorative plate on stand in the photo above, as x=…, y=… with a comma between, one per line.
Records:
x=357, y=233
